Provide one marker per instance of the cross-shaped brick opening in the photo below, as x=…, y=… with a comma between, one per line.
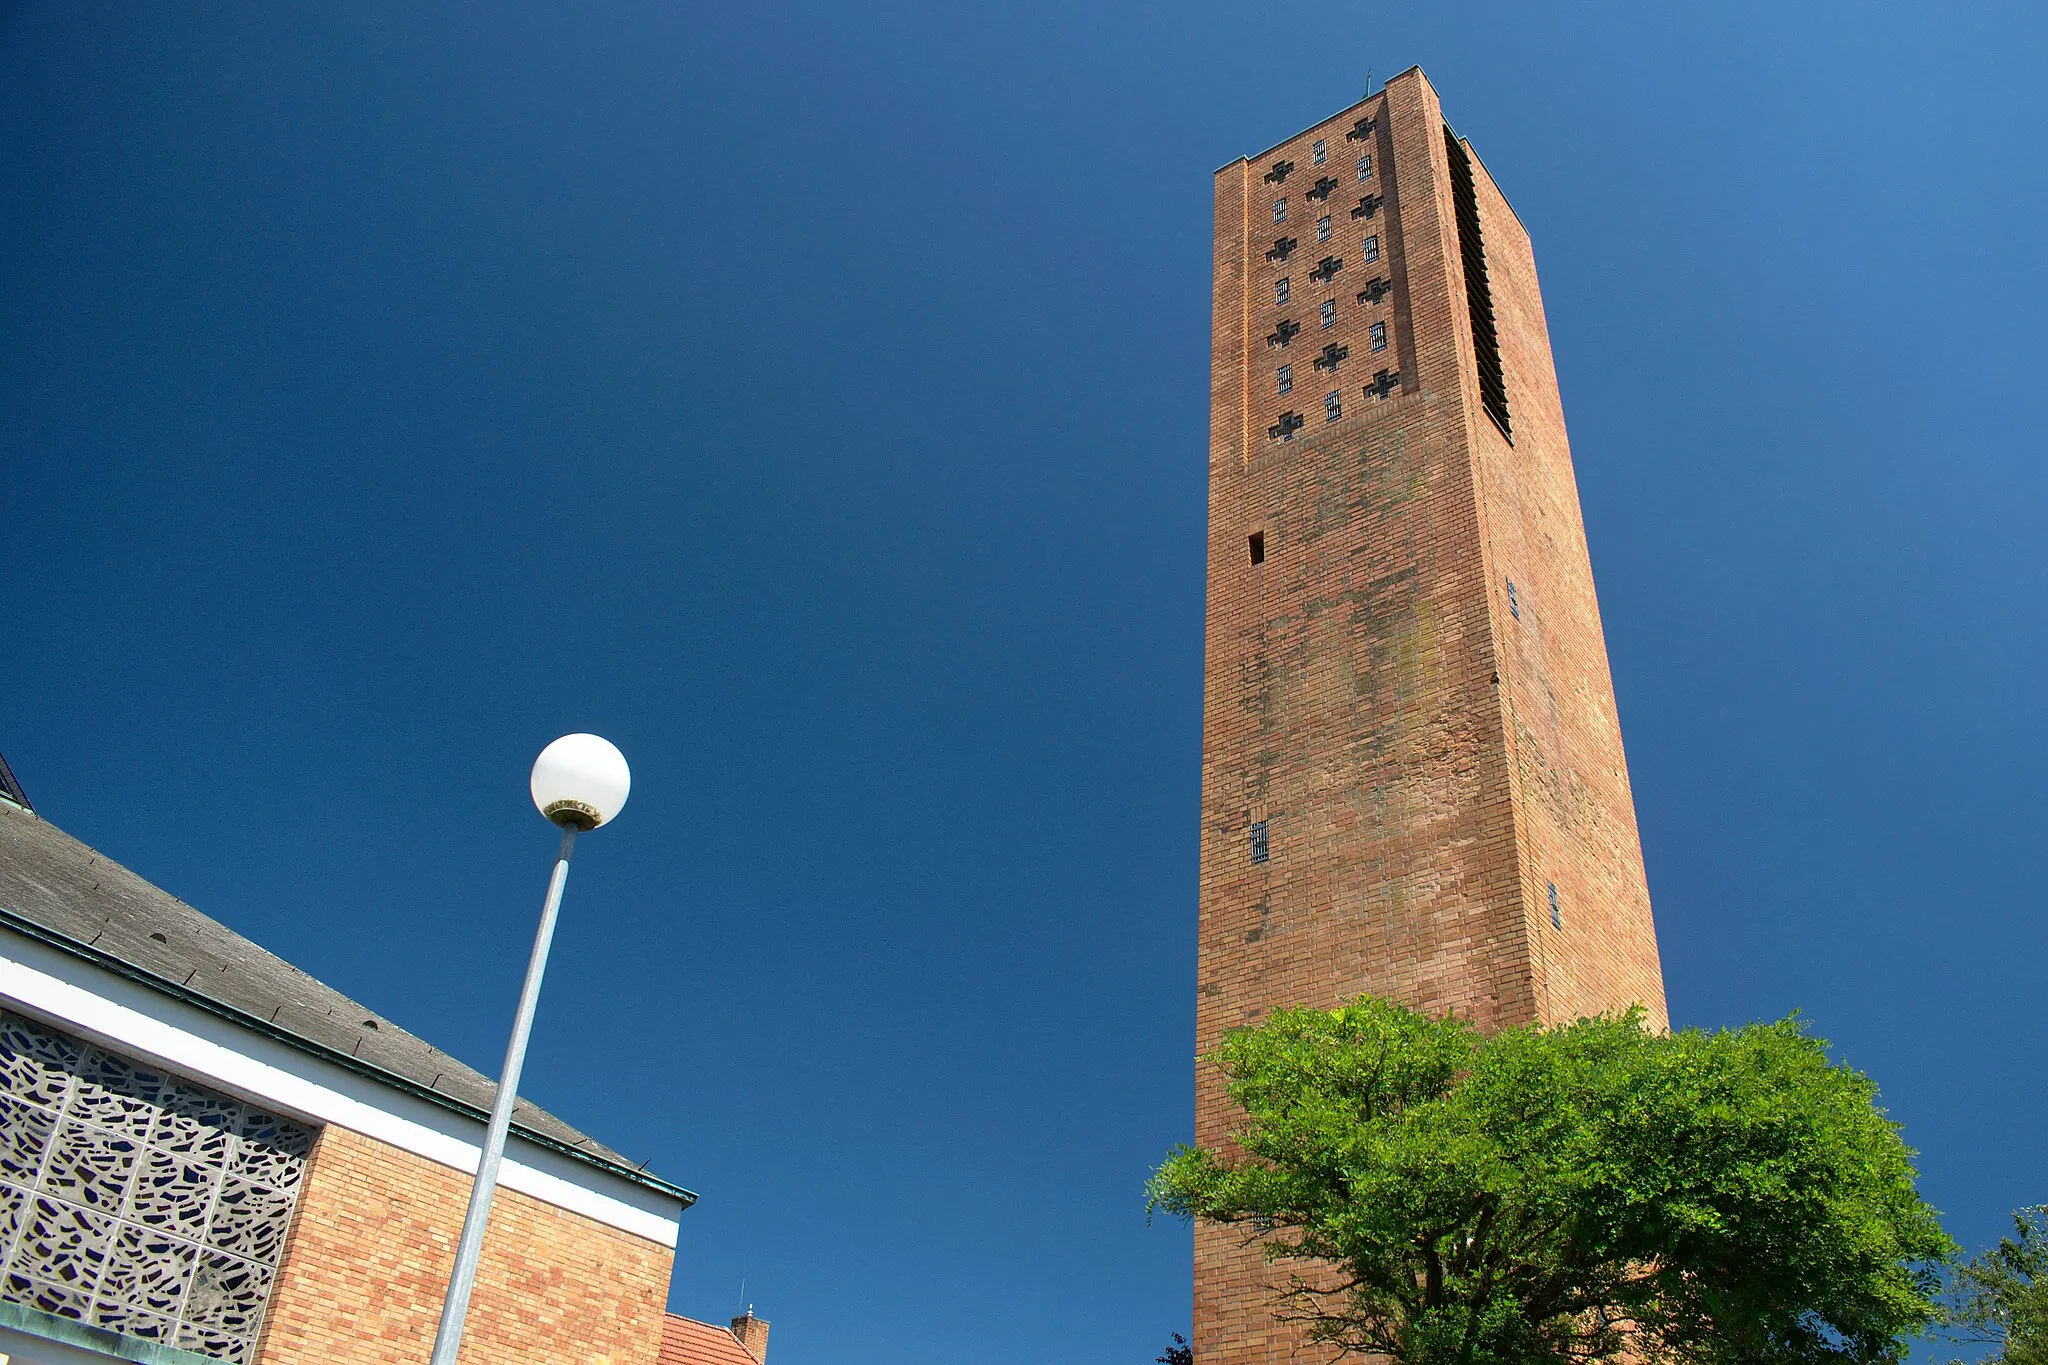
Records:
x=1279, y=172
x=1282, y=248
x=1367, y=206
x=1375, y=289
x=1327, y=269
x=1332, y=354
x=1360, y=130
x=1383, y=383
x=1282, y=334
x=1284, y=429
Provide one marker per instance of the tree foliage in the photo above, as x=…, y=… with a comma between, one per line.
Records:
x=1180, y=1353
x=1594, y=1191
x=2001, y=1295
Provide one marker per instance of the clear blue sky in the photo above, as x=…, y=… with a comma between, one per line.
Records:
x=812, y=399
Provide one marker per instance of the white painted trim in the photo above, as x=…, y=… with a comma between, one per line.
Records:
x=39, y=980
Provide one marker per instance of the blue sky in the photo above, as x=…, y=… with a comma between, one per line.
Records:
x=812, y=399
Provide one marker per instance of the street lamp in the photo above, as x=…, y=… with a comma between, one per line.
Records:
x=579, y=782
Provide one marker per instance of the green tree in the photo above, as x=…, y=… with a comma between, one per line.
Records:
x=1568, y=1194
x=2001, y=1295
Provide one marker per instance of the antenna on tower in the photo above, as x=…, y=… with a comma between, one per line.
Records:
x=1368, y=82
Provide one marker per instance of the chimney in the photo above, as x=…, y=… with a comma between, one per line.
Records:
x=752, y=1332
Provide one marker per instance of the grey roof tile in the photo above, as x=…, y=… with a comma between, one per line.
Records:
x=61, y=886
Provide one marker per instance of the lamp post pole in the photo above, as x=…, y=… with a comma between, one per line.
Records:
x=579, y=782
x=455, y=1308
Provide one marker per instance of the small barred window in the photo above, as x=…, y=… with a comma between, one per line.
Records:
x=1323, y=229
x=1280, y=290
x=1328, y=312
x=1378, y=334
x=1279, y=210
x=1321, y=150
x=1286, y=379
x=1365, y=168
x=1333, y=406
x=1372, y=246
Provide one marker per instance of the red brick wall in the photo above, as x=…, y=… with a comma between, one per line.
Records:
x=1577, y=814
x=373, y=1241
x=1367, y=693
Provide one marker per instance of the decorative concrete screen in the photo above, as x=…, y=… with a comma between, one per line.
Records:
x=136, y=1201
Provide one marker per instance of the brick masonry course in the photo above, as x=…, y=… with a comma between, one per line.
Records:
x=373, y=1241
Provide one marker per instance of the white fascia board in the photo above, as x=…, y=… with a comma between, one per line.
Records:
x=39, y=980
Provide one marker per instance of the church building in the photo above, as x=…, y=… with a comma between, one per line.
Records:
x=208, y=1155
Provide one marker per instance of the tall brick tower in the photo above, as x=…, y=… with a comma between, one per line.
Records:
x=1412, y=772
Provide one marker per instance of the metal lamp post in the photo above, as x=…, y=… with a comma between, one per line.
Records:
x=579, y=782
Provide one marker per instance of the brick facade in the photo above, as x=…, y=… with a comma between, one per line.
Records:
x=374, y=1240
x=1424, y=758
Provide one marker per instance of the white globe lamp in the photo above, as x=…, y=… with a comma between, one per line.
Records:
x=581, y=781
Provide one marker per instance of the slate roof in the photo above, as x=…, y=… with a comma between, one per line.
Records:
x=685, y=1341
x=54, y=888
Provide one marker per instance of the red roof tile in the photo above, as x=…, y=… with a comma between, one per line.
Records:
x=685, y=1341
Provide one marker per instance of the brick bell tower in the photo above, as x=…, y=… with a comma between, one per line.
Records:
x=1412, y=773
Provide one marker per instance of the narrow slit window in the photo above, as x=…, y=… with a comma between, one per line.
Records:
x=1372, y=246
x=1286, y=378
x=1279, y=210
x=1261, y=848
x=1514, y=602
x=1258, y=547
x=1323, y=228
x=1333, y=406
x=1556, y=918
x=1365, y=168
x=1378, y=334
x=1280, y=290
x=1493, y=391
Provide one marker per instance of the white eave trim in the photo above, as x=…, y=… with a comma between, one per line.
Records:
x=39, y=980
